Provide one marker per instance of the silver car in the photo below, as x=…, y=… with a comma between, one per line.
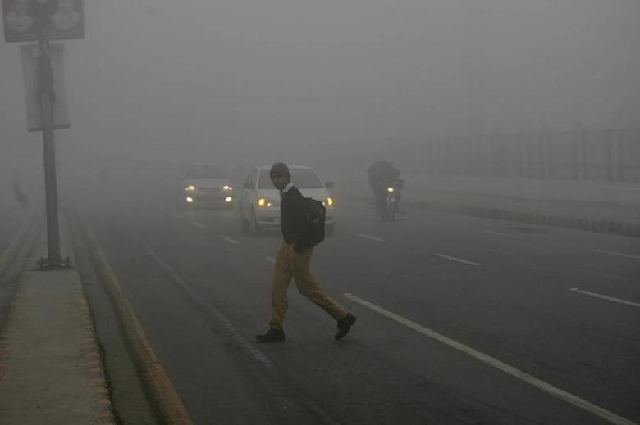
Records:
x=204, y=186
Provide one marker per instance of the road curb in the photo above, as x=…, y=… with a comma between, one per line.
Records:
x=163, y=395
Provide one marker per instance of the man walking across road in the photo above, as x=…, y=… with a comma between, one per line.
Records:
x=293, y=262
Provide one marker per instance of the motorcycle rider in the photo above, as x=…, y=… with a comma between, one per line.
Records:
x=382, y=175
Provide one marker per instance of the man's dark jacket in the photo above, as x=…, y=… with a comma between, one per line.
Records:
x=291, y=218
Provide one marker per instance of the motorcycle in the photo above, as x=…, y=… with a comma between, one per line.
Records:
x=386, y=204
x=391, y=203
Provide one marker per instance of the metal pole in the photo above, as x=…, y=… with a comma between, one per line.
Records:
x=575, y=157
x=524, y=166
x=621, y=153
x=490, y=166
x=452, y=151
x=609, y=144
x=546, y=156
x=49, y=160
x=431, y=152
x=584, y=163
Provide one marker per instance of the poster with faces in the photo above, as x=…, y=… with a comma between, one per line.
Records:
x=27, y=20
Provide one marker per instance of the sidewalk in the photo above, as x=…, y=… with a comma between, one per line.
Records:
x=51, y=371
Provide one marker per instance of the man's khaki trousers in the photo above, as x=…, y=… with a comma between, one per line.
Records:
x=291, y=264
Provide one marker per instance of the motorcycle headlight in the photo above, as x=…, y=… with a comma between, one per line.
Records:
x=190, y=188
x=390, y=190
x=227, y=188
x=189, y=199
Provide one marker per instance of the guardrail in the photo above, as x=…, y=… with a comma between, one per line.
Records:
x=591, y=155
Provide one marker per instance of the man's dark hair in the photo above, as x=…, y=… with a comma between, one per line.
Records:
x=280, y=169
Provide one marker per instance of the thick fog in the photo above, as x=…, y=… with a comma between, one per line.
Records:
x=162, y=81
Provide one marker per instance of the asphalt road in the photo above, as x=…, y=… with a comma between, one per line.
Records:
x=461, y=320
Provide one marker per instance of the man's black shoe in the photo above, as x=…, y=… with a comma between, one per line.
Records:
x=272, y=335
x=344, y=325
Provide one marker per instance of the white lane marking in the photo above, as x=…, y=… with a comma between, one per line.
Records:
x=619, y=254
x=373, y=238
x=230, y=240
x=271, y=260
x=502, y=235
x=510, y=370
x=200, y=299
x=449, y=257
x=605, y=297
x=601, y=274
x=195, y=223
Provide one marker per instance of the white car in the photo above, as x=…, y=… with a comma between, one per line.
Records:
x=204, y=186
x=259, y=203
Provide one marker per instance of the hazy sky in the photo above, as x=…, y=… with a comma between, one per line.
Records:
x=179, y=77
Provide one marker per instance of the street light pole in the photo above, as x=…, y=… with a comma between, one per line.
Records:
x=47, y=98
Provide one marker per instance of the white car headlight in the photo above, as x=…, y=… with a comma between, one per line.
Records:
x=264, y=202
x=190, y=188
x=390, y=190
x=328, y=202
x=227, y=188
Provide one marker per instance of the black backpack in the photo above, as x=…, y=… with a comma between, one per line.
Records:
x=314, y=215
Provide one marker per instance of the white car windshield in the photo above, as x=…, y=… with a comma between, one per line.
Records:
x=303, y=178
x=205, y=172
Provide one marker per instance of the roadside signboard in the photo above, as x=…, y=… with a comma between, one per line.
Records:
x=33, y=83
x=28, y=20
